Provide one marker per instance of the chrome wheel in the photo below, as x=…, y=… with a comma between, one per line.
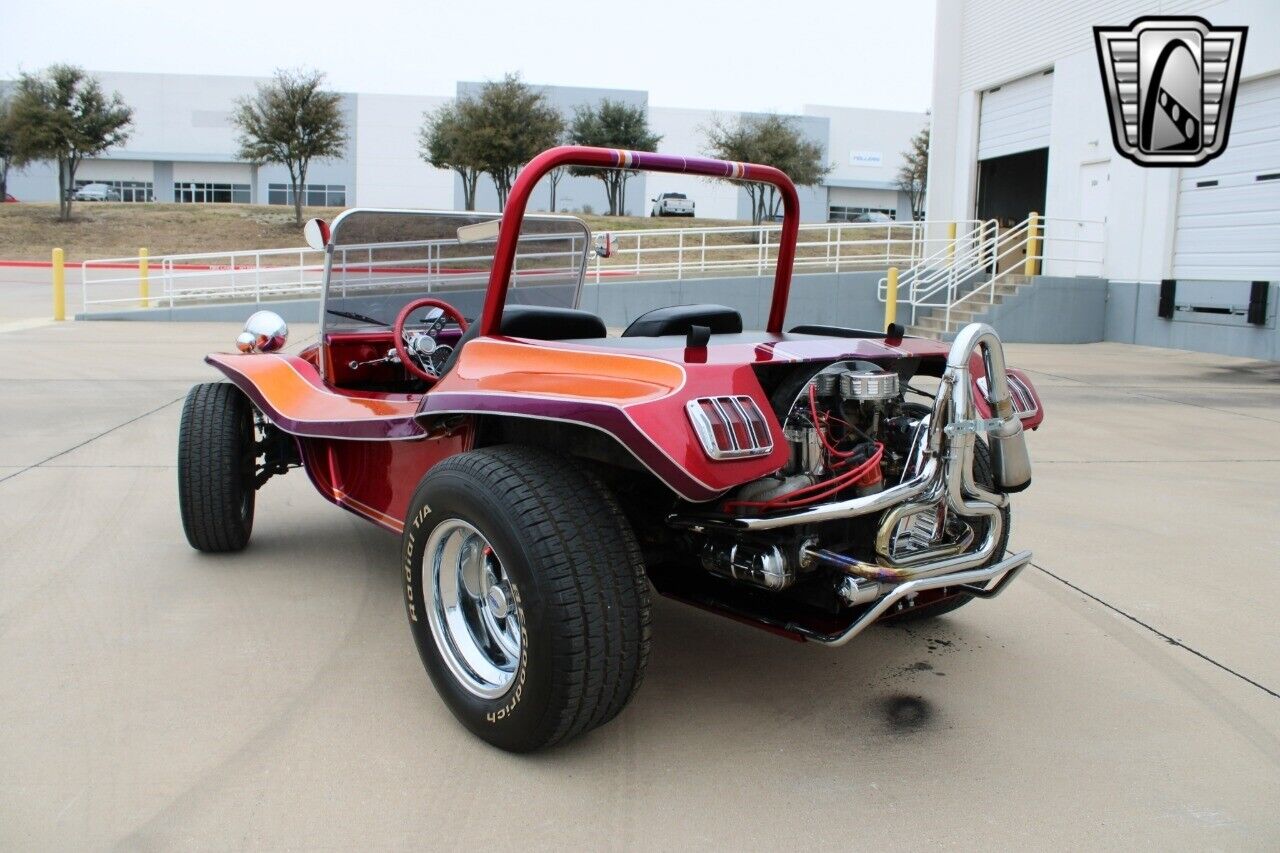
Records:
x=474, y=616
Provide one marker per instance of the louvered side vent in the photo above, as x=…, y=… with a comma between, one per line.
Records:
x=730, y=427
x=1024, y=402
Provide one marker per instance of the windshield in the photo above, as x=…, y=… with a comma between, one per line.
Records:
x=383, y=259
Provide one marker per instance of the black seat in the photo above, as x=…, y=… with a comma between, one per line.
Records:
x=678, y=319
x=542, y=323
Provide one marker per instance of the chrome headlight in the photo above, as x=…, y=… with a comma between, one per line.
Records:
x=264, y=331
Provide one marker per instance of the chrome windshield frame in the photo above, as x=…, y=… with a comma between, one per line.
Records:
x=335, y=229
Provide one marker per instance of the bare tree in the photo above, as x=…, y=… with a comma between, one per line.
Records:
x=612, y=124
x=63, y=116
x=553, y=182
x=913, y=176
x=291, y=121
x=557, y=174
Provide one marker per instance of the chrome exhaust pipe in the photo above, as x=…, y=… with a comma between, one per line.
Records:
x=1010, y=462
x=986, y=582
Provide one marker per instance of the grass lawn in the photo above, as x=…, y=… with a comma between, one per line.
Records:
x=29, y=232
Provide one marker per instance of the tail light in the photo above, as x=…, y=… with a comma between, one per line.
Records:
x=1026, y=402
x=730, y=427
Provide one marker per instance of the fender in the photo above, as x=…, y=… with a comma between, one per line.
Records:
x=637, y=400
x=290, y=392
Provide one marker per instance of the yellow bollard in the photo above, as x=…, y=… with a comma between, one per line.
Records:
x=1032, y=266
x=951, y=243
x=891, y=298
x=144, y=284
x=59, y=286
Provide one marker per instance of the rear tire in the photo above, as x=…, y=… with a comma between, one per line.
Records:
x=569, y=572
x=216, y=468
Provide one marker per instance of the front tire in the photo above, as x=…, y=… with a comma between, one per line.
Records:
x=216, y=467
x=526, y=595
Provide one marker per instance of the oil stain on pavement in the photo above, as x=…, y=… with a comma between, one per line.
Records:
x=906, y=714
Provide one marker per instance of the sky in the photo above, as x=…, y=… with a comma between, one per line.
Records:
x=745, y=55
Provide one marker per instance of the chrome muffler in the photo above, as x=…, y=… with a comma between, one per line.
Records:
x=1010, y=462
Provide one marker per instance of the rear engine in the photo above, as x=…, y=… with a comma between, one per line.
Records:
x=852, y=433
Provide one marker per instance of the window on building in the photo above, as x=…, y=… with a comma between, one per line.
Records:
x=129, y=190
x=313, y=195
x=837, y=213
x=210, y=193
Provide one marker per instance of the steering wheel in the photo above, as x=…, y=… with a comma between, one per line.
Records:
x=411, y=358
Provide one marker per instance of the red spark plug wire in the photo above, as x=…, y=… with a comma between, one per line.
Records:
x=817, y=491
x=827, y=488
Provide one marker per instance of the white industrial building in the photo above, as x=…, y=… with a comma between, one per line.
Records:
x=182, y=148
x=1020, y=124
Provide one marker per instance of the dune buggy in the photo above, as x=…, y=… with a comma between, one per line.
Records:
x=544, y=473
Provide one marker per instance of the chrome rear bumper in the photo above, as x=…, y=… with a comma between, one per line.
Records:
x=986, y=582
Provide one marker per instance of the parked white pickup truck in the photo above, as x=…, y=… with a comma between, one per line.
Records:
x=671, y=204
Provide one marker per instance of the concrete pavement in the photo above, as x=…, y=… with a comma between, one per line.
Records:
x=156, y=698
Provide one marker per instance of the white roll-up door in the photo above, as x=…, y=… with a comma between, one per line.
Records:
x=1229, y=209
x=1015, y=116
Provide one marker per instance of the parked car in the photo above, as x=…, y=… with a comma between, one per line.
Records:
x=9, y=199
x=671, y=204
x=871, y=216
x=96, y=192
x=543, y=474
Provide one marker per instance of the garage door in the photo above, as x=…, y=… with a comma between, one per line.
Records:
x=1015, y=116
x=1229, y=209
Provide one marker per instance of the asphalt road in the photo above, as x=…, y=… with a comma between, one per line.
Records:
x=1123, y=693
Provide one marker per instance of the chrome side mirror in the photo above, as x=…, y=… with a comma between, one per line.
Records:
x=316, y=233
x=264, y=331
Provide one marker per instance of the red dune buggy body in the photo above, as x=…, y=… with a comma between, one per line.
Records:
x=543, y=473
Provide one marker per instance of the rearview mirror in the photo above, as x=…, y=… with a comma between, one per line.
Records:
x=479, y=231
x=316, y=233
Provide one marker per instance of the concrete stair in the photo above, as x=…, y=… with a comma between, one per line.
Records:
x=972, y=307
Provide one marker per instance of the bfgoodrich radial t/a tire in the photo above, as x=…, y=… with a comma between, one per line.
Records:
x=526, y=595
x=216, y=467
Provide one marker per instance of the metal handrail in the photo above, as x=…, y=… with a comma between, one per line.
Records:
x=936, y=281
x=245, y=274
x=829, y=245
x=258, y=274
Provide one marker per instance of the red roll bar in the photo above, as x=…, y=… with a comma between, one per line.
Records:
x=614, y=158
